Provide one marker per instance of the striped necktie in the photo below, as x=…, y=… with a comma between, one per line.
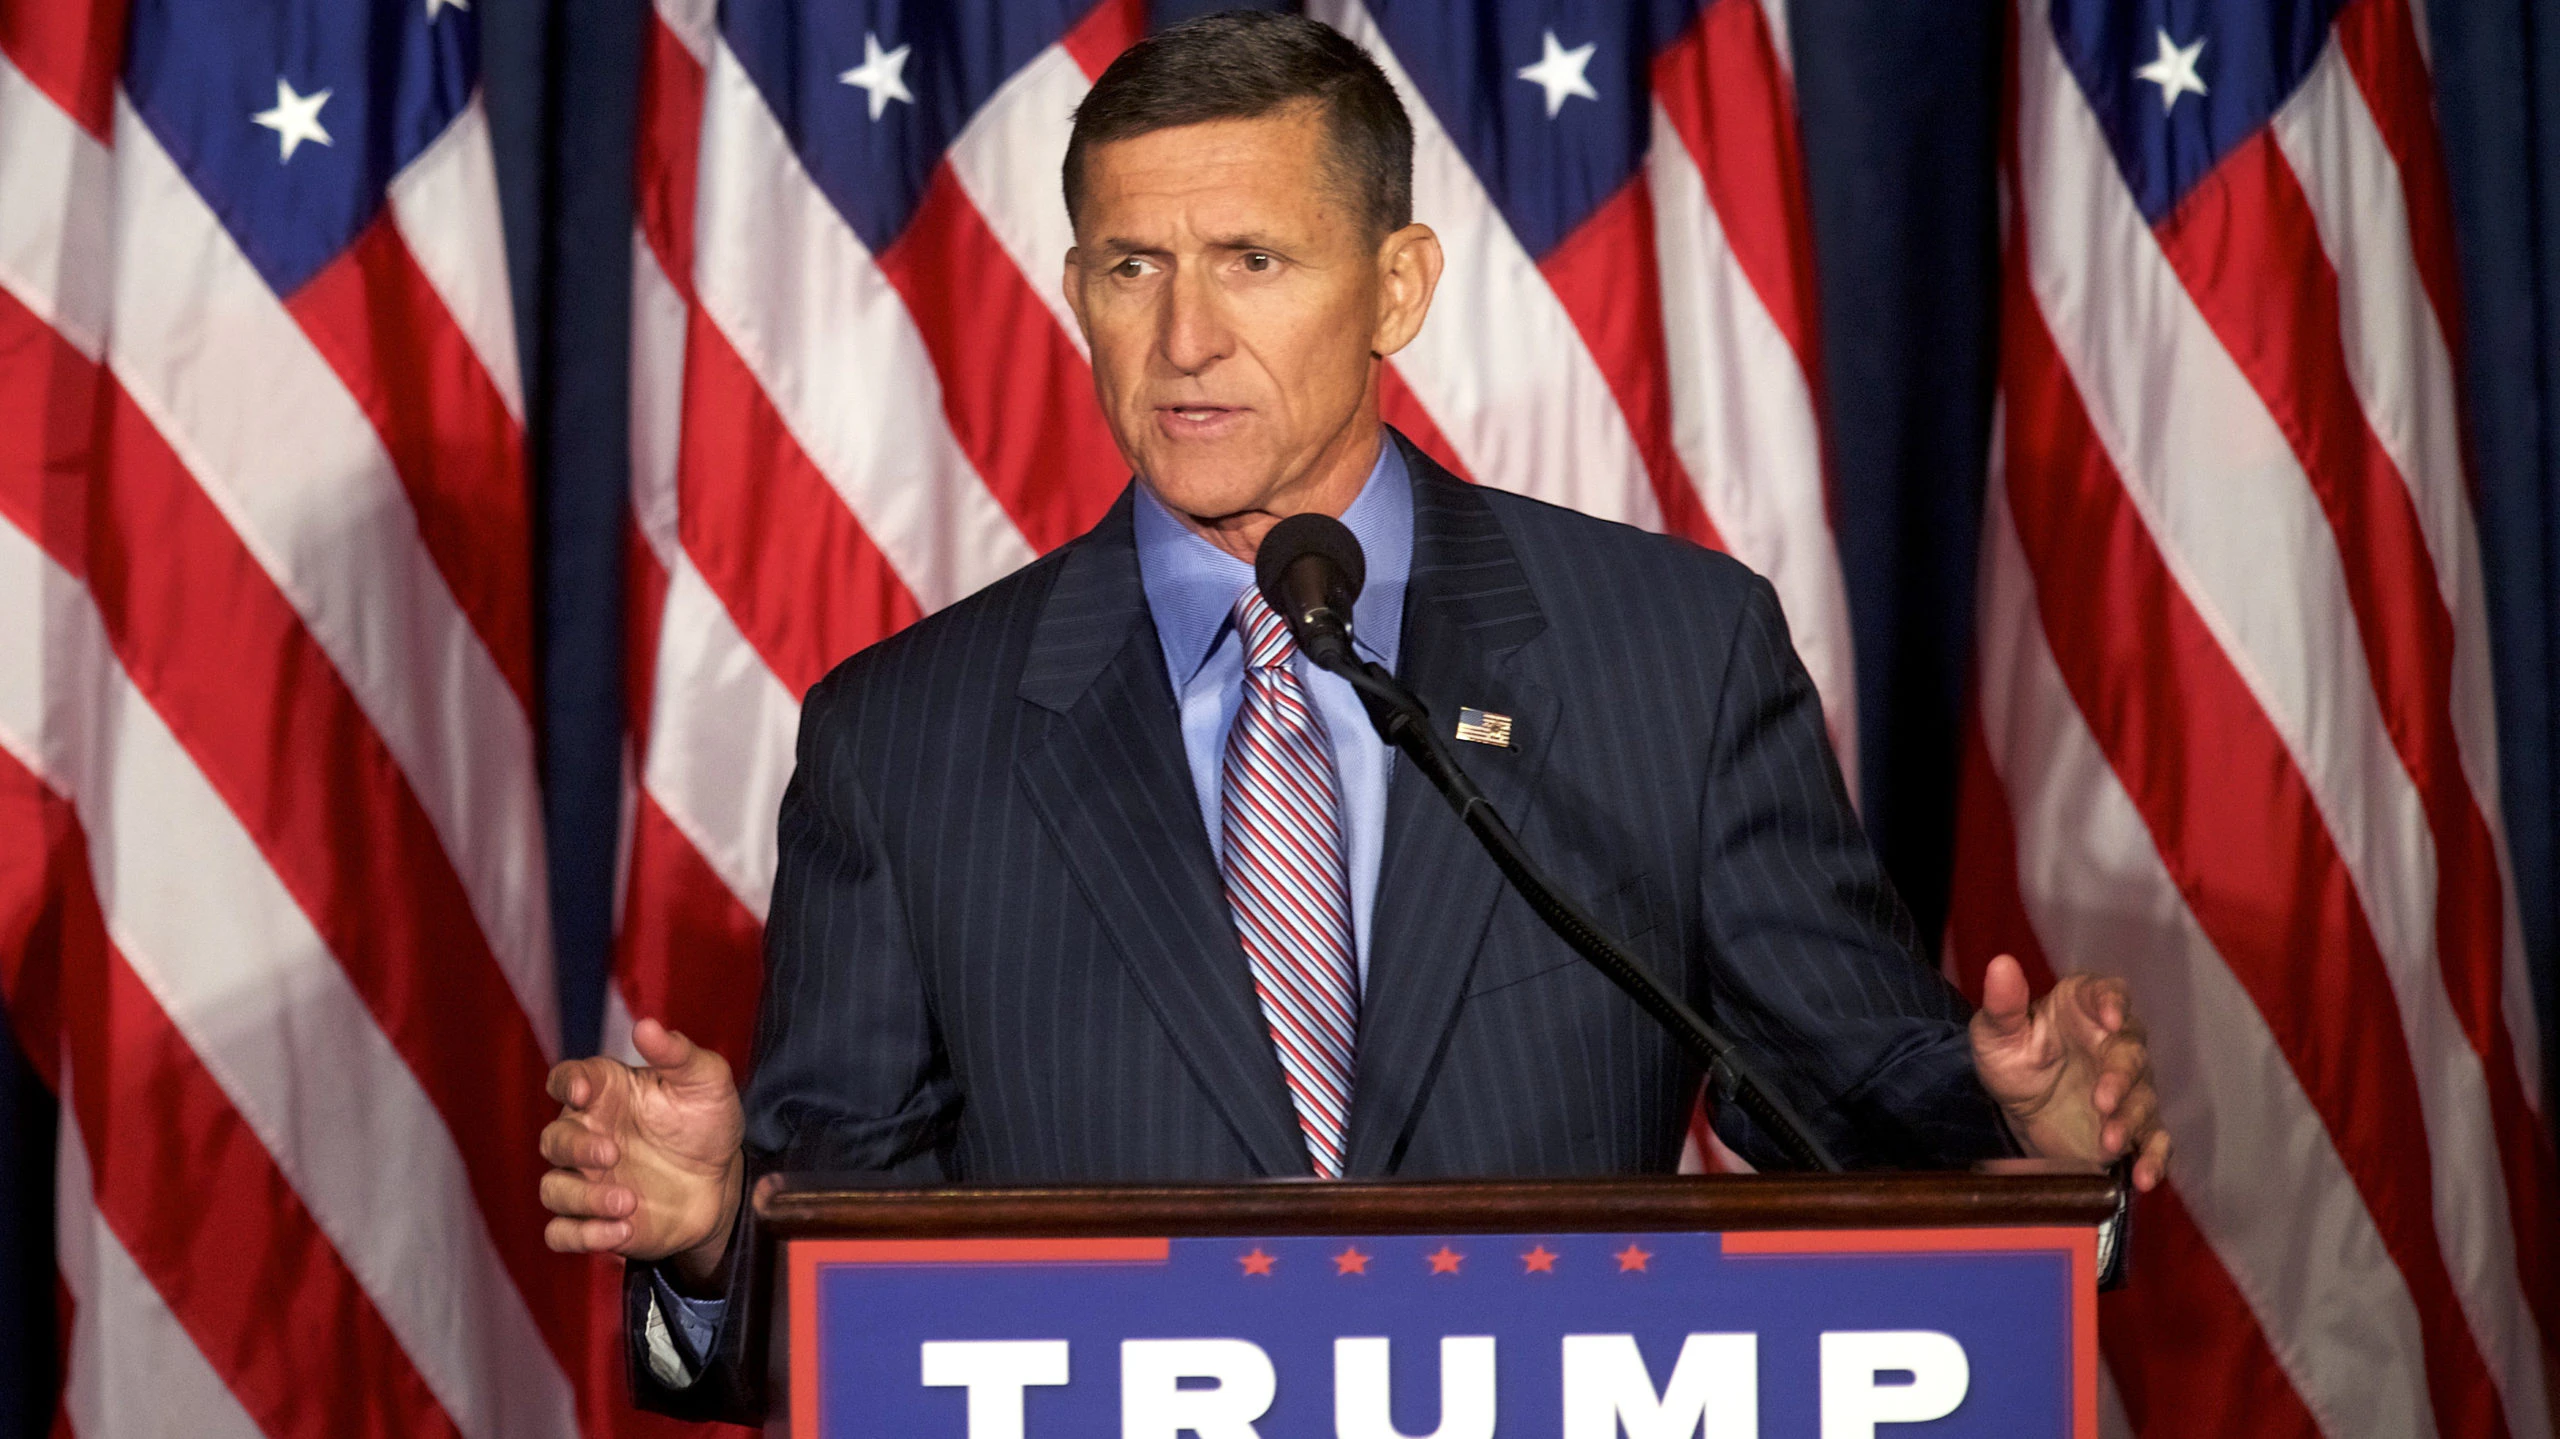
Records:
x=1282, y=813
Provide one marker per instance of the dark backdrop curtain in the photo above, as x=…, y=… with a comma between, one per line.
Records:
x=2498, y=97
x=1900, y=111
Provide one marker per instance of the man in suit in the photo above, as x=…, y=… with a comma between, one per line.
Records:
x=1092, y=877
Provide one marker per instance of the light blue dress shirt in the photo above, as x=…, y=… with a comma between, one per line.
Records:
x=1191, y=588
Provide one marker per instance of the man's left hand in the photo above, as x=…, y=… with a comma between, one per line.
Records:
x=2071, y=1069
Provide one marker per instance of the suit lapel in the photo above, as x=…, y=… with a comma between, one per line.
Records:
x=1467, y=609
x=1110, y=781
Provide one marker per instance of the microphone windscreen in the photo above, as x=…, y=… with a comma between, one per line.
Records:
x=1300, y=536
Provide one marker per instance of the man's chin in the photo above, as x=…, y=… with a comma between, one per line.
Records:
x=1206, y=486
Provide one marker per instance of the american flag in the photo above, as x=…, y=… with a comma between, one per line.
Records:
x=271, y=879
x=268, y=816
x=2234, y=732
x=858, y=394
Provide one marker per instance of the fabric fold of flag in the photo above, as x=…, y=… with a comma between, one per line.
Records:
x=266, y=690
x=2233, y=730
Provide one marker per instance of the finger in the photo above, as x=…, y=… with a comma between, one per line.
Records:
x=2005, y=1000
x=661, y=1046
x=687, y=1067
x=574, y=1196
x=2153, y=1166
x=571, y=1145
x=586, y=1236
x=2124, y=1065
x=573, y=1082
x=2103, y=1001
x=2108, y=1092
x=578, y=1083
x=2134, y=1122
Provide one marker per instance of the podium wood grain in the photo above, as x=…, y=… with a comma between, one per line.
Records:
x=800, y=1207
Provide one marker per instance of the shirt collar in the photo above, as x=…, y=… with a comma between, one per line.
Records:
x=1192, y=585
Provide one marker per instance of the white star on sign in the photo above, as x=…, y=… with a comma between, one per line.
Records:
x=2174, y=72
x=1559, y=73
x=437, y=7
x=882, y=76
x=295, y=118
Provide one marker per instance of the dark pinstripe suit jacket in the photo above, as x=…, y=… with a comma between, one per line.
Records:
x=999, y=948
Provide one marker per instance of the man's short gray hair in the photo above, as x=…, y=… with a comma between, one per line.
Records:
x=1244, y=64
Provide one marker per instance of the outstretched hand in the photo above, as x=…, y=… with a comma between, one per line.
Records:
x=648, y=1160
x=2072, y=1070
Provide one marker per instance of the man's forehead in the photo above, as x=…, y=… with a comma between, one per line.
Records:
x=1249, y=173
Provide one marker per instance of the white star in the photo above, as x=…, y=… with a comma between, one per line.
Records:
x=881, y=75
x=437, y=7
x=1559, y=73
x=2174, y=72
x=295, y=118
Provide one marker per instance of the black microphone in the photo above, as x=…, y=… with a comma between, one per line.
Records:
x=1309, y=569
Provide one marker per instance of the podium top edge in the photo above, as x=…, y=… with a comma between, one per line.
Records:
x=821, y=1206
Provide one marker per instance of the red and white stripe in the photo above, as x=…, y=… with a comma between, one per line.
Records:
x=1659, y=366
x=827, y=444
x=270, y=681
x=2235, y=742
x=1282, y=817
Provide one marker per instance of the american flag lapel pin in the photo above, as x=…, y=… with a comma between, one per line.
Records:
x=1484, y=727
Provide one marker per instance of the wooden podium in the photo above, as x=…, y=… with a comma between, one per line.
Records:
x=1830, y=1306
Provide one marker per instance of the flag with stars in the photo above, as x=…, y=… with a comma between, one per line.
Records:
x=2233, y=732
x=272, y=909
x=858, y=394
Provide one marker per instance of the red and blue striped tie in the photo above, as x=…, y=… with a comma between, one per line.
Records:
x=1282, y=812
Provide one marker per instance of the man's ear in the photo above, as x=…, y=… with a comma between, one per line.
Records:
x=1409, y=263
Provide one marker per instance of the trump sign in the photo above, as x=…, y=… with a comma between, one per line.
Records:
x=1819, y=1334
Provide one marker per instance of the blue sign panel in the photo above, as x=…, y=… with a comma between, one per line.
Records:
x=1464, y=1336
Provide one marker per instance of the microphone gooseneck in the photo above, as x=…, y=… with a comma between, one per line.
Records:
x=1310, y=569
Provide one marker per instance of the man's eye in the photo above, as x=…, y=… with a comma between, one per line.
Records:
x=1130, y=269
x=1258, y=262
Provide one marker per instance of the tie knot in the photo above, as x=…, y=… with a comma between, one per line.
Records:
x=1267, y=641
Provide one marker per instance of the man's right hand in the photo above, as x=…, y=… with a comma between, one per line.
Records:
x=650, y=1163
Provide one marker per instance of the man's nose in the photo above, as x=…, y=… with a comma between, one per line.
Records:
x=1195, y=334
